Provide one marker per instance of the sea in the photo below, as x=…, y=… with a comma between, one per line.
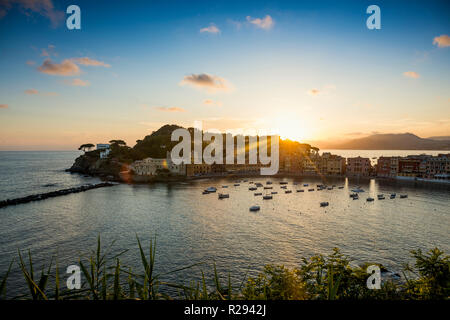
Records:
x=193, y=228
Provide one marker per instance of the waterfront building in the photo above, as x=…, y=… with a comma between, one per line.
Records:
x=332, y=164
x=358, y=166
x=104, y=150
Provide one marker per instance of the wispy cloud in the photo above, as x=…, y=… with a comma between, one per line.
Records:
x=170, y=109
x=210, y=102
x=49, y=51
x=44, y=8
x=31, y=91
x=30, y=63
x=325, y=90
x=314, y=92
x=442, y=41
x=211, y=29
x=66, y=68
x=411, y=74
x=4, y=106
x=91, y=62
x=264, y=23
x=205, y=81
x=78, y=83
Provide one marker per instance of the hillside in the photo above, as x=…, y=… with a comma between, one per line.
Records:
x=401, y=141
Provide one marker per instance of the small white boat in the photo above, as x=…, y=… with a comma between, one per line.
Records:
x=403, y=196
x=211, y=189
x=267, y=197
x=223, y=195
x=330, y=188
x=370, y=199
x=381, y=197
x=258, y=193
x=283, y=187
x=224, y=186
x=305, y=185
x=236, y=184
x=288, y=191
x=324, y=204
x=269, y=182
x=274, y=192
x=283, y=182
x=393, y=195
x=252, y=188
x=358, y=189
x=255, y=208
x=205, y=192
x=341, y=187
x=355, y=197
x=258, y=184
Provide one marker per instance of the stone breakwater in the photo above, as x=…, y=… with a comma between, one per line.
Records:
x=52, y=194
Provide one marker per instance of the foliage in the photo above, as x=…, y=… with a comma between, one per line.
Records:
x=319, y=277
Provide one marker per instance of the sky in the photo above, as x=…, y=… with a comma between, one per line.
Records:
x=309, y=70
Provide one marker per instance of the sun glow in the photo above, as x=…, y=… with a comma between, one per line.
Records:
x=291, y=128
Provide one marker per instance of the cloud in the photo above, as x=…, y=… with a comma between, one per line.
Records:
x=30, y=63
x=205, y=81
x=170, y=109
x=49, y=51
x=78, y=83
x=264, y=23
x=90, y=62
x=44, y=8
x=210, y=102
x=211, y=29
x=314, y=92
x=31, y=91
x=4, y=106
x=442, y=41
x=411, y=74
x=65, y=68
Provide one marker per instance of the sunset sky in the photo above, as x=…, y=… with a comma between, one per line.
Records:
x=311, y=70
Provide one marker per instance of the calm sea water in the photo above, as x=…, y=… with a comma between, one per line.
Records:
x=191, y=227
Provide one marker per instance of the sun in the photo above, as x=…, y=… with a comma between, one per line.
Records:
x=291, y=128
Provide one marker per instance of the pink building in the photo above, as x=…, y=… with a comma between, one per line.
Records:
x=358, y=166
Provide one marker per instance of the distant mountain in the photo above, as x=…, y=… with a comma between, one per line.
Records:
x=401, y=141
x=440, y=138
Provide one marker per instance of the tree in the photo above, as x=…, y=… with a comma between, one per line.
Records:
x=86, y=146
x=119, y=143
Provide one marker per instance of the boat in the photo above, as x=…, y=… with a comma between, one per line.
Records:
x=274, y=192
x=245, y=180
x=267, y=197
x=330, y=188
x=223, y=195
x=324, y=204
x=268, y=187
x=355, y=197
x=283, y=187
x=258, y=184
x=236, y=184
x=205, y=192
x=210, y=189
x=283, y=182
x=334, y=186
x=295, y=183
x=300, y=190
x=305, y=185
x=341, y=187
x=224, y=186
x=252, y=188
x=381, y=197
x=255, y=208
x=370, y=199
x=258, y=194
x=288, y=191
x=358, y=189
x=310, y=189
x=269, y=182
x=403, y=196
x=393, y=195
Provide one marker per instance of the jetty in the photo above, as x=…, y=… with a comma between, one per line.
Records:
x=53, y=194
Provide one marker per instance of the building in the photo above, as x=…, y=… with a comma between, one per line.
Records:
x=332, y=164
x=387, y=167
x=436, y=167
x=358, y=166
x=153, y=167
x=409, y=167
x=104, y=150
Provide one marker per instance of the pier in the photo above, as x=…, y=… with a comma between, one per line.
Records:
x=52, y=194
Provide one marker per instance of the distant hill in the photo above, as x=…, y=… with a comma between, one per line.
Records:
x=440, y=138
x=401, y=141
